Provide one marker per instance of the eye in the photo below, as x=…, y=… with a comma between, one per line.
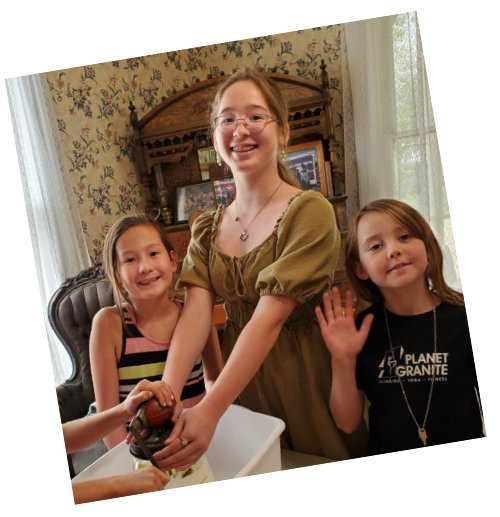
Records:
x=129, y=260
x=404, y=237
x=154, y=253
x=375, y=247
x=224, y=121
x=256, y=117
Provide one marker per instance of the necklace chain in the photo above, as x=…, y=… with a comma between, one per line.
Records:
x=422, y=433
x=244, y=233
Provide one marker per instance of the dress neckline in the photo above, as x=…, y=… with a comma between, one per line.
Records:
x=218, y=215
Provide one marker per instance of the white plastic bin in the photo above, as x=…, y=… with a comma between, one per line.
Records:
x=244, y=443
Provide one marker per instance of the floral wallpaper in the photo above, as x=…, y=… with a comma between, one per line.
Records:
x=91, y=106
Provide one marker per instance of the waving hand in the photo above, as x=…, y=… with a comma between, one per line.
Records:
x=343, y=339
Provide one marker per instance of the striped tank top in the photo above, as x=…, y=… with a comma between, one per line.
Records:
x=144, y=358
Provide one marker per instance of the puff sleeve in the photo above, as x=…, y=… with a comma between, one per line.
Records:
x=307, y=250
x=195, y=267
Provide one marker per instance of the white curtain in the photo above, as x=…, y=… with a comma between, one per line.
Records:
x=58, y=242
x=396, y=151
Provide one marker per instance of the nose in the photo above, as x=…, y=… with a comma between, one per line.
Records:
x=394, y=249
x=240, y=127
x=144, y=265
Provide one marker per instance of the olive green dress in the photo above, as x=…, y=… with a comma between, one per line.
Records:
x=296, y=261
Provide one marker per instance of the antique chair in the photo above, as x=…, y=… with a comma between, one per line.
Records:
x=71, y=310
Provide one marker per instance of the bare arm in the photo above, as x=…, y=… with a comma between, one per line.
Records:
x=148, y=479
x=198, y=424
x=344, y=342
x=212, y=358
x=105, y=340
x=253, y=345
x=83, y=432
x=190, y=336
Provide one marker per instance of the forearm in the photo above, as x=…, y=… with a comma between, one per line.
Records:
x=105, y=339
x=345, y=398
x=148, y=479
x=253, y=345
x=212, y=358
x=189, y=339
x=83, y=432
x=115, y=434
x=97, y=490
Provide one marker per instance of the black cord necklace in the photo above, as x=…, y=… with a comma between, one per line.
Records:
x=422, y=433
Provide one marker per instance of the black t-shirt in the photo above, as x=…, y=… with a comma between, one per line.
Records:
x=454, y=412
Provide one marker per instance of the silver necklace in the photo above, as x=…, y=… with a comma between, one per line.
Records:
x=244, y=233
x=422, y=433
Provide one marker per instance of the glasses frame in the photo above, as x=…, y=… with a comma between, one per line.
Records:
x=244, y=120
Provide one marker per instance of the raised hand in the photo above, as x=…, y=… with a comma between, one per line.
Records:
x=343, y=339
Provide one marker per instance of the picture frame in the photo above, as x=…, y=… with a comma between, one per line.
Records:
x=224, y=190
x=306, y=162
x=209, y=168
x=194, y=196
x=206, y=156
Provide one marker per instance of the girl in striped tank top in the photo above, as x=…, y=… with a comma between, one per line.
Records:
x=130, y=341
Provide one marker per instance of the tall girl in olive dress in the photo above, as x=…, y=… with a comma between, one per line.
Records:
x=269, y=253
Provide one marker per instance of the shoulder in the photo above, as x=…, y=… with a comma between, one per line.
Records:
x=107, y=318
x=449, y=308
x=204, y=220
x=307, y=200
x=203, y=225
x=452, y=315
x=376, y=309
x=305, y=210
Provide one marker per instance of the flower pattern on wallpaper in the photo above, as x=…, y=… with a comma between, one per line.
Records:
x=92, y=110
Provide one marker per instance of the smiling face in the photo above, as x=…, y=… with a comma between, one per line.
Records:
x=389, y=255
x=240, y=149
x=143, y=264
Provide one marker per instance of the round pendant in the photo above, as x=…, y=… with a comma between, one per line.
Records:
x=244, y=235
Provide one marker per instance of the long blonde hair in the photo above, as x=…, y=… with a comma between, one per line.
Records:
x=109, y=259
x=410, y=219
x=277, y=105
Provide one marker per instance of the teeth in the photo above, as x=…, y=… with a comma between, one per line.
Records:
x=147, y=282
x=240, y=149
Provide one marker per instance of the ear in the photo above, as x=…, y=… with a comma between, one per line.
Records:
x=214, y=140
x=173, y=260
x=117, y=276
x=283, y=140
x=360, y=271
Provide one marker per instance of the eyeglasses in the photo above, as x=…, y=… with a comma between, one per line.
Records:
x=254, y=123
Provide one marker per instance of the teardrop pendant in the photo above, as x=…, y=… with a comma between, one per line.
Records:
x=244, y=235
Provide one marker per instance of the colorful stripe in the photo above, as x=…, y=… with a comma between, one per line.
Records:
x=144, y=358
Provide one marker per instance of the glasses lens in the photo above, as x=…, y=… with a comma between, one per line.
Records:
x=253, y=123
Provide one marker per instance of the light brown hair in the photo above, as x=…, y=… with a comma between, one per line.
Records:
x=109, y=259
x=412, y=221
x=275, y=100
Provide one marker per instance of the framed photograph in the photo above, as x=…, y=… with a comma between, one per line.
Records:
x=206, y=156
x=307, y=163
x=195, y=196
x=224, y=189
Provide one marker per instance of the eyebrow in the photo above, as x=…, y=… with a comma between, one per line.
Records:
x=147, y=247
x=376, y=236
x=370, y=238
x=248, y=106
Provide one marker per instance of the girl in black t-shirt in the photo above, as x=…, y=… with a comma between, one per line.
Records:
x=410, y=352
